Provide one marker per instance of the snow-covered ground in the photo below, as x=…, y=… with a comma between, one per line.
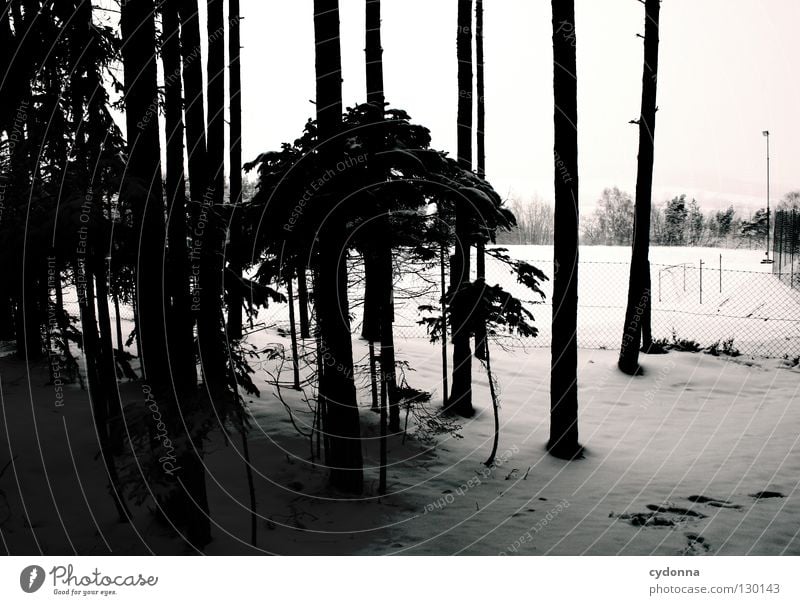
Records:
x=676, y=459
x=694, y=427
x=749, y=305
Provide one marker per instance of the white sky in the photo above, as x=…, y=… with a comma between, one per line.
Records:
x=728, y=71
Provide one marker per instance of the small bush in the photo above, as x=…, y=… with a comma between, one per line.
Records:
x=724, y=348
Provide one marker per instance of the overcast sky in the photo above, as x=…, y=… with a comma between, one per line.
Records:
x=728, y=70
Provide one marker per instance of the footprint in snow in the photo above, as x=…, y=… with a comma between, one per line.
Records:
x=716, y=502
x=766, y=494
x=697, y=545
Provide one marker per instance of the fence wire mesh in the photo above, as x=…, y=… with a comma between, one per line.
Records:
x=701, y=302
x=786, y=247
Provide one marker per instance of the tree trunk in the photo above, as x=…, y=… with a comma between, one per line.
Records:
x=336, y=387
x=98, y=389
x=210, y=320
x=107, y=367
x=180, y=329
x=460, y=400
x=293, y=335
x=194, y=109
x=381, y=252
x=495, y=408
x=481, y=346
x=235, y=249
x=388, y=369
x=564, y=347
x=143, y=190
x=639, y=294
x=370, y=325
x=302, y=301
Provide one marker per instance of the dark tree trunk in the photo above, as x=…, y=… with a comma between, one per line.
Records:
x=495, y=408
x=28, y=317
x=564, y=348
x=302, y=301
x=336, y=387
x=143, y=186
x=443, y=282
x=381, y=252
x=388, y=369
x=460, y=400
x=107, y=367
x=481, y=346
x=62, y=321
x=235, y=249
x=98, y=387
x=370, y=325
x=194, y=108
x=181, y=326
x=210, y=320
x=143, y=190
x=293, y=335
x=373, y=52
x=120, y=342
x=639, y=294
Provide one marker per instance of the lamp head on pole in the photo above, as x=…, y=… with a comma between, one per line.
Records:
x=765, y=133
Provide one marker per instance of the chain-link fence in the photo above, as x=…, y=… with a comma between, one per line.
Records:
x=702, y=301
x=786, y=247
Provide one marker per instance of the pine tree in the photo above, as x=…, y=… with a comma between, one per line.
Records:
x=564, y=347
x=638, y=311
x=460, y=400
x=337, y=391
x=181, y=325
x=235, y=252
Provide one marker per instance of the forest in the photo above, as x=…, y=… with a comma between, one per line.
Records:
x=124, y=187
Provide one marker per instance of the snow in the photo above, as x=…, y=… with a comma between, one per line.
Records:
x=675, y=458
x=754, y=308
x=693, y=425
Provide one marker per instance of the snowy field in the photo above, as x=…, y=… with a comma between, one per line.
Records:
x=700, y=455
x=749, y=305
x=679, y=461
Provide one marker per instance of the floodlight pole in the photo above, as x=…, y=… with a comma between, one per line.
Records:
x=766, y=134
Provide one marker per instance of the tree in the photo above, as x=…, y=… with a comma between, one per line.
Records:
x=755, y=229
x=337, y=391
x=675, y=215
x=235, y=302
x=378, y=263
x=696, y=224
x=187, y=505
x=460, y=400
x=563, y=441
x=534, y=223
x=724, y=220
x=637, y=313
x=181, y=324
x=209, y=228
x=612, y=221
x=481, y=346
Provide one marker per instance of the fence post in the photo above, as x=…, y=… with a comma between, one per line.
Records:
x=780, y=251
x=701, y=281
x=684, y=277
x=792, y=246
x=443, y=276
x=720, y=274
x=659, y=284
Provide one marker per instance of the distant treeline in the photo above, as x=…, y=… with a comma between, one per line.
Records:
x=676, y=222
